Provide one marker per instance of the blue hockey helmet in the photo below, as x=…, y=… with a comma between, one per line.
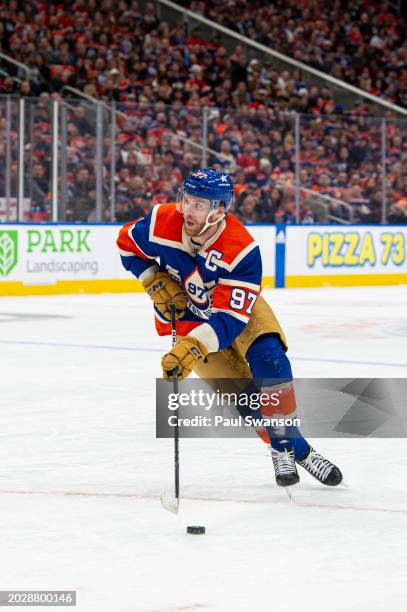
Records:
x=212, y=185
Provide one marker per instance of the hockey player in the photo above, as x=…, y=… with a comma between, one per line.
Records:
x=197, y=255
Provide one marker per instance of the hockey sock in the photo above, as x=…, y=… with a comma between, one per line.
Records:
x=271, y=370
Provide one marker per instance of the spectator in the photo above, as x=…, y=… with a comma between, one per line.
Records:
x=82, y=197
x=40, y=186
x=247, y=211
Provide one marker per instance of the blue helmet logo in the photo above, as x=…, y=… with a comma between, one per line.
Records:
x=207, y=183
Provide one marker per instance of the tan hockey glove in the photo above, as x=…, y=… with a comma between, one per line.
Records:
x=182, y=358
x=163, y=289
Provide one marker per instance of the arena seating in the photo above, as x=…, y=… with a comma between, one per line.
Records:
x=161, y=80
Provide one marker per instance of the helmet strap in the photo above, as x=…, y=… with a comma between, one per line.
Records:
x=199, y=240
x=209, y=223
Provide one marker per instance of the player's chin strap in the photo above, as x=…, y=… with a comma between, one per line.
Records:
x=197, y=244
x=210, y=223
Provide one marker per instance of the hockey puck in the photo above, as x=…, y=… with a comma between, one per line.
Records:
x=197, y=530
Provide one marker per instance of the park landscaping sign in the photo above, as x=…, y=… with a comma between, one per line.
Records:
x=46, y=254
x=8, y=251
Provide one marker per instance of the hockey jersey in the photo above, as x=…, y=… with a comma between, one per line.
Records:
x=221, y=281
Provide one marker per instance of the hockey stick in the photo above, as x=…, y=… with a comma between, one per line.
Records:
x=170, y=500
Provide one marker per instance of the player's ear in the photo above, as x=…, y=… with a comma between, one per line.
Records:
x=221, y=211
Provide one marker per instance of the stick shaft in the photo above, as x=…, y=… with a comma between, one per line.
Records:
x=175, y=390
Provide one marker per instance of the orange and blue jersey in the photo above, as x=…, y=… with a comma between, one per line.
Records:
x=221, y=281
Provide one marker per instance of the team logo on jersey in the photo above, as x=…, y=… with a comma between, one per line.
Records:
x=202, y=314
x=195, y=289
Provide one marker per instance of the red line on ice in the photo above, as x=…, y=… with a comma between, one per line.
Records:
x=207, y=499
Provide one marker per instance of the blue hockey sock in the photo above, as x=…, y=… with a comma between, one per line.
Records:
x=268, y=361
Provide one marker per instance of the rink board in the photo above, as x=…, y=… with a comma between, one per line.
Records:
x=41, y=259
x=324, y=255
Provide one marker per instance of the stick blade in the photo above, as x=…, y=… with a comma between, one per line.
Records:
x=169, y=501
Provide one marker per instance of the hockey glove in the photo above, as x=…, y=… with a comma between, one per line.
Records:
x=182, y=358
x=163, y=289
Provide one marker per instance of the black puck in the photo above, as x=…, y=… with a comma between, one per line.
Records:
x=197, y=530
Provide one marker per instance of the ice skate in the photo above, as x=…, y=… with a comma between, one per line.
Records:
x=322, y=469
x=285, y=468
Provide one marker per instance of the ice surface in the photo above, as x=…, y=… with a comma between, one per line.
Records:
x=81, y=471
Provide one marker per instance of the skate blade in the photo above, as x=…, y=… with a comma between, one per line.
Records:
x=169, y=501
x=289, y=492
x=344, y=484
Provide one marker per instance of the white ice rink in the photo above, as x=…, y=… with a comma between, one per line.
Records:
x=81, y=470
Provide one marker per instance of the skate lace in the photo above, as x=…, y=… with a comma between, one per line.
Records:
x=284, y=462
x=318, y=465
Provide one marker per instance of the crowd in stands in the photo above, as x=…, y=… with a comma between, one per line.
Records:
x=358, y=41
x=161, y=80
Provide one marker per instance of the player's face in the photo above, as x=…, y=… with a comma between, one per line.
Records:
x=195, y=211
